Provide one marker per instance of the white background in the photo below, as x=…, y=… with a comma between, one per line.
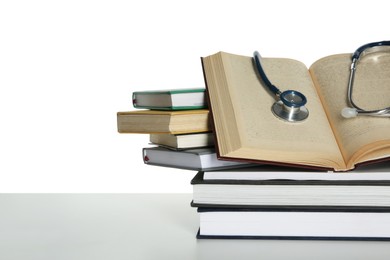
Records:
x=67, y=67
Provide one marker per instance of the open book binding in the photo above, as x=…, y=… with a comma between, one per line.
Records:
x=245, y=128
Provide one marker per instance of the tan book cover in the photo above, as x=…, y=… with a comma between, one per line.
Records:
x=183, y=141
x=163, y=122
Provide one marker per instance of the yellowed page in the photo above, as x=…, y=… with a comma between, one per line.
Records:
x=245, y=125
x=361, y=138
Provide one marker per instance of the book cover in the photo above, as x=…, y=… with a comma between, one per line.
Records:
x=300, y=224
x=374, y=191
x=163, y=122
x=183, y=141
x=174, y=99
x=378, y=171
x=197, y=159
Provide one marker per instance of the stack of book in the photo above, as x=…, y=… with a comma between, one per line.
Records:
x=331, y=200
x=178, y=123
x=257, y=176
x=276, y=203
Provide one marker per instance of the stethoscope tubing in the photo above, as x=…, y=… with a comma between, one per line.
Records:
x=385, y=112
x=263, y=76
x=290, y=104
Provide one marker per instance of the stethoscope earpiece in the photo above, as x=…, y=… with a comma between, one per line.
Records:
x=290, y=104
x=349, y=112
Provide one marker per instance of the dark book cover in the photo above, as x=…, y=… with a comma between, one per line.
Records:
x=330, y=194
x=199, y=236
x=198, y=179
x=357, y=210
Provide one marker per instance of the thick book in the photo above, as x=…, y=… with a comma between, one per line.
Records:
x=200, y=159
x=183, y=141
x=285, y=223
x=174, y=99
x=163, y=122
x=315, y=189
x=246, y=128
x=379, y=171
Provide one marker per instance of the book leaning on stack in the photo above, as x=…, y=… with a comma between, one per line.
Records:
x=177, y=122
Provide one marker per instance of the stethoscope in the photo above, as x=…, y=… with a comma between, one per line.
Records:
x=354, y=110
x=290, y=104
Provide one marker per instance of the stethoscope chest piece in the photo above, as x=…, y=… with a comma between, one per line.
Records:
x=291, y=106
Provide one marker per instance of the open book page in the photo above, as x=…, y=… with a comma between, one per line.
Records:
x=245, y=125
x=362, y=138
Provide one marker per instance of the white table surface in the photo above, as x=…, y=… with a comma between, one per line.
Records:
x=140, y=226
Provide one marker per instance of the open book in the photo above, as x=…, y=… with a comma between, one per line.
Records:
x=246, y=129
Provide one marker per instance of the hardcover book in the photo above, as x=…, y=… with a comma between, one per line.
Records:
x=163, y=122
x=294, y=189
x=325, y=224
x=200, y=159
x=378, y=171
x=183, y=141
x=175, y=99
x=247, y=130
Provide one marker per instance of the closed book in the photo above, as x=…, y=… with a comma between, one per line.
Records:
x=191, y=159
x=183, y=141
x=174, y=99
x=315, y=189
x=167, y=122
x=379, y=171
x=285, y=223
